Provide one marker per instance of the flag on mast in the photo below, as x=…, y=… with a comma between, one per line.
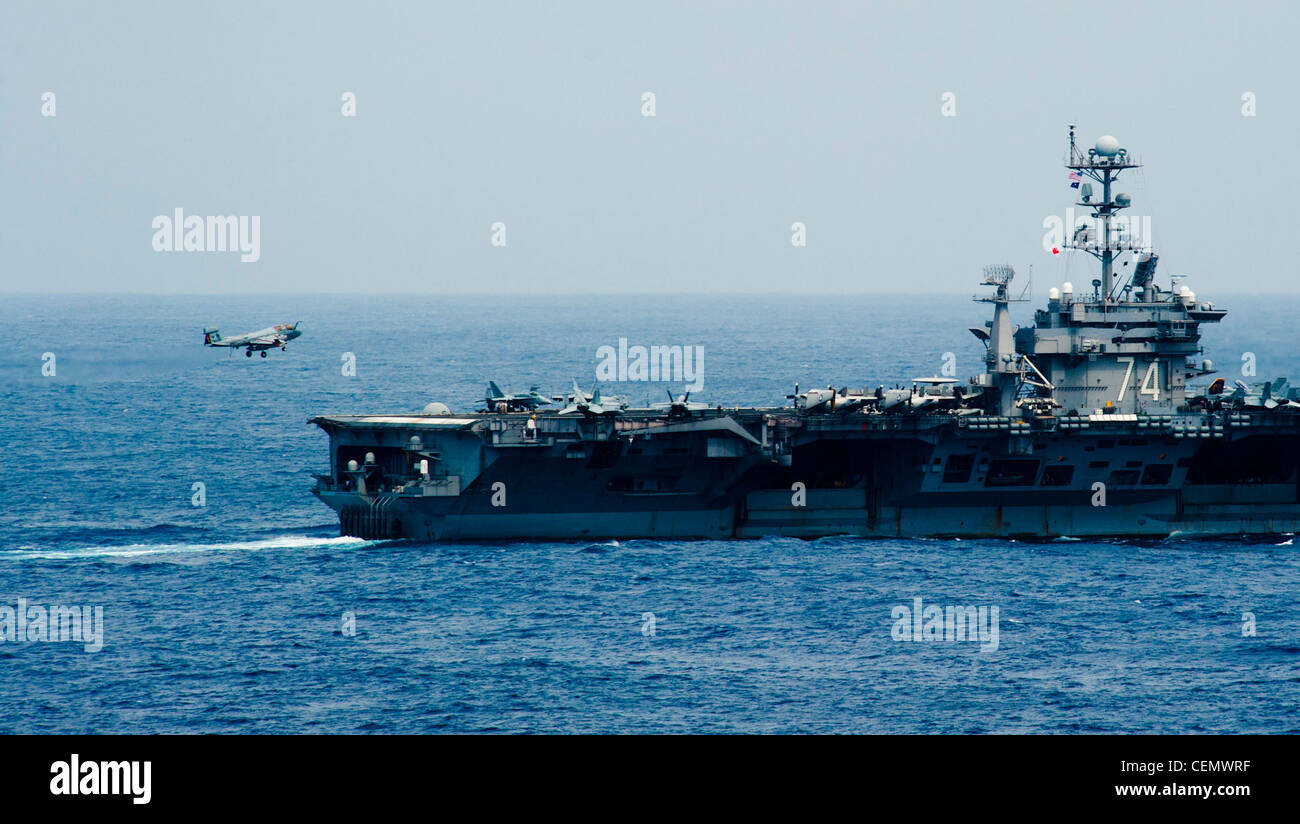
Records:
x=1075, y=177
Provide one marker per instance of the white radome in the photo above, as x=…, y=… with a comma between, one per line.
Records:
x=1107, y=146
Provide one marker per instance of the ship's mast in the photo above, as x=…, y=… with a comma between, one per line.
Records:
x=1128, y=348
x=1103, y=164
x=1003, y=363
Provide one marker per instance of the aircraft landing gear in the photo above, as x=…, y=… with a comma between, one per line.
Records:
x=263, y=353
x=248, y=353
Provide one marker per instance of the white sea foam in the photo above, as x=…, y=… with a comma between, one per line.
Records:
x=295, y=542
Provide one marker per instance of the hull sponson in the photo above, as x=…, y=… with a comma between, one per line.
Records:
x=750, y=473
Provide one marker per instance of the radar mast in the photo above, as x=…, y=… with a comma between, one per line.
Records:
x=1103, y=164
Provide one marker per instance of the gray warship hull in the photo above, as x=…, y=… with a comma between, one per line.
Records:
x=1082, y=425
x=754, y=472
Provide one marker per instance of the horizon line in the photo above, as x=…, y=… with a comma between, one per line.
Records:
x=733, y=293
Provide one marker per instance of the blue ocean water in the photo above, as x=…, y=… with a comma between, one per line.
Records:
x=228, y=617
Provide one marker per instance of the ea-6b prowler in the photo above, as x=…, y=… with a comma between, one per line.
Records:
x=1082, y=424
x=272, y=337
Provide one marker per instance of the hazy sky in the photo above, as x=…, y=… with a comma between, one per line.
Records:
x=471, y=113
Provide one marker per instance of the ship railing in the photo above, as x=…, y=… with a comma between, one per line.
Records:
x=433, y=485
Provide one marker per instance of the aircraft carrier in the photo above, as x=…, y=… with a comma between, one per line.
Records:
x=1082, y=425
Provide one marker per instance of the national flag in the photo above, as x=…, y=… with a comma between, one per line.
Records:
x=1075, y=177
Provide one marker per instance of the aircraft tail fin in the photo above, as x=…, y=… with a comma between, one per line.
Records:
x=494, y=391
x=211, y=337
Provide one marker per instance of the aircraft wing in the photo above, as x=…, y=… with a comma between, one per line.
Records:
x=262, y=343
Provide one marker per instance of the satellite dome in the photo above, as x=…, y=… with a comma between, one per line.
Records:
x=1067, y=288
x=436, y=408
x=1107, y=146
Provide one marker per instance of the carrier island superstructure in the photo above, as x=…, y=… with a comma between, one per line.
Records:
x=1082, y=424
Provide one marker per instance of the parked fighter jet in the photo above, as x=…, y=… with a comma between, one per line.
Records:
x=272, y=337
x=1269, y=395
x=591, y=404
x=498, y=401
x=681, y=406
